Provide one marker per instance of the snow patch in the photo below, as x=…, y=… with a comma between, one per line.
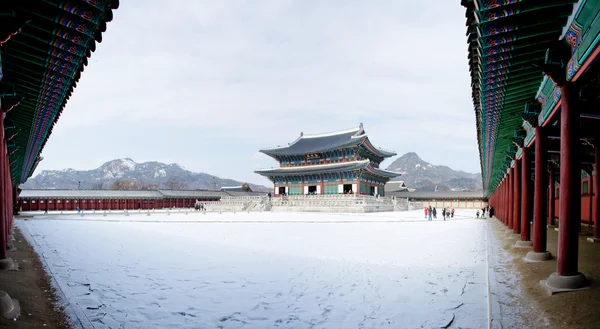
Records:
x=160, y=173
x=128, y=163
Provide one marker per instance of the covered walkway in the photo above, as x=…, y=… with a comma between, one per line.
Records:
x=536, y=93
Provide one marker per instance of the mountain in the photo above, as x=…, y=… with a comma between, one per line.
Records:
x=129, y=174
x=423, y=176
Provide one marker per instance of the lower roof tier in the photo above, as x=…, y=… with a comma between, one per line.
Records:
x=364, y=165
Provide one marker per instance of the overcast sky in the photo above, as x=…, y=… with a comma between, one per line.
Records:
x=208, y=83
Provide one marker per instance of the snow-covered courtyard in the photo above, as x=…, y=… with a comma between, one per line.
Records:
x=268, y=270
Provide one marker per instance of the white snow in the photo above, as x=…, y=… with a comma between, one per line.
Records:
x=160, y=173
x=417, y=165
x=269, y=270
x=128, y=163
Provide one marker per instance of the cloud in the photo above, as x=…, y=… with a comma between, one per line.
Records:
x=256, y=73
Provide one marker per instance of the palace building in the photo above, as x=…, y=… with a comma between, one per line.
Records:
x=342, y=162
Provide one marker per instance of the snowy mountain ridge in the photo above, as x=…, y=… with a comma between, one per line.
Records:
x=146, y=175
x=424, y=176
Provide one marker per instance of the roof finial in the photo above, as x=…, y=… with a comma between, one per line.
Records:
x=301, y=134
x=361, y=126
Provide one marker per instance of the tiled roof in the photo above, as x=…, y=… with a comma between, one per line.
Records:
x=117, y=194
x=436, y=195
x=45, y=45
x=317, y=143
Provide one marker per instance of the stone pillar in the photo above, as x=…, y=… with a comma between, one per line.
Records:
x=517, y=197
x=525, y=197
x=567, y=276
x=596, y=198
x=539, y=252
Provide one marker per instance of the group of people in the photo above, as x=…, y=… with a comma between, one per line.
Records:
x=431, y=213
x=486, y=210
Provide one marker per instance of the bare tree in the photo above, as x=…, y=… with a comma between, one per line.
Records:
x=176, y=184
x=145, y=186
x=124, y=184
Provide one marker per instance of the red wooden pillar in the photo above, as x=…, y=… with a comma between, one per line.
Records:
x=525, y=195
x=539, y=195
x=570, y=188
x=3, y=183
x=591, y=200
x=551, y=197
x=517, y=198
x=504, y=201
x=596, y=180
x=509, y=207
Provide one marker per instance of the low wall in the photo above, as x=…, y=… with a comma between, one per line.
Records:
x=345, y=203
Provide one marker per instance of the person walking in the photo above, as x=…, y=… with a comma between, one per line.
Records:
x=434, y=213
x=477, y=214
x=452, y=213
x=430, y=212
x=426, y=212
x=444, y=213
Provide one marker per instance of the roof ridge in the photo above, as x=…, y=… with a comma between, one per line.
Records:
x=326, y=134
x=331, y=133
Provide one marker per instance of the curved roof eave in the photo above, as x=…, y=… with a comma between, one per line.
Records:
x=382, y=172
x=314, y=169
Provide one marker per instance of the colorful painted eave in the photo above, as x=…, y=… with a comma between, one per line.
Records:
x=42, y=57
x=507, y=43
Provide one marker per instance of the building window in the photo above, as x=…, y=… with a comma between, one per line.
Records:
x=585, y=187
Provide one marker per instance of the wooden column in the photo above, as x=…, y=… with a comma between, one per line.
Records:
x=517, y=197
x=551, y=196
x=3, y=183
x=570, y=185
x=591, y=194
x=596, y=180
x=525, y=195
x=540, y=199
x=509, y=208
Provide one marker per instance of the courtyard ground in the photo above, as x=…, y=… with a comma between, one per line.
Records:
x=32, y=288
x=564, y=310
x=268, y=270
x=288, y=270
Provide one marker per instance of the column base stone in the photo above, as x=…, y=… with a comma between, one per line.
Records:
x=9, y=307
x=523, y=244
x=564, y=283
x=593, y=240
x=534, y=257
x=8, y=264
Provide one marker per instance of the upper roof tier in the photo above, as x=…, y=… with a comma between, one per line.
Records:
x=328, y=168
x=315, y=143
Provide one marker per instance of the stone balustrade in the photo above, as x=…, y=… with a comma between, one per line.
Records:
x=311, y=203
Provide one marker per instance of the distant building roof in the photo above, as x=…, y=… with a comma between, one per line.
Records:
x=242, y=188
x=190, y=194
x=74, y=194
x=118, y=194
x=242, y=193
x=436, y=195
x=316, y=143
x=326, y=168
x=393, y=186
